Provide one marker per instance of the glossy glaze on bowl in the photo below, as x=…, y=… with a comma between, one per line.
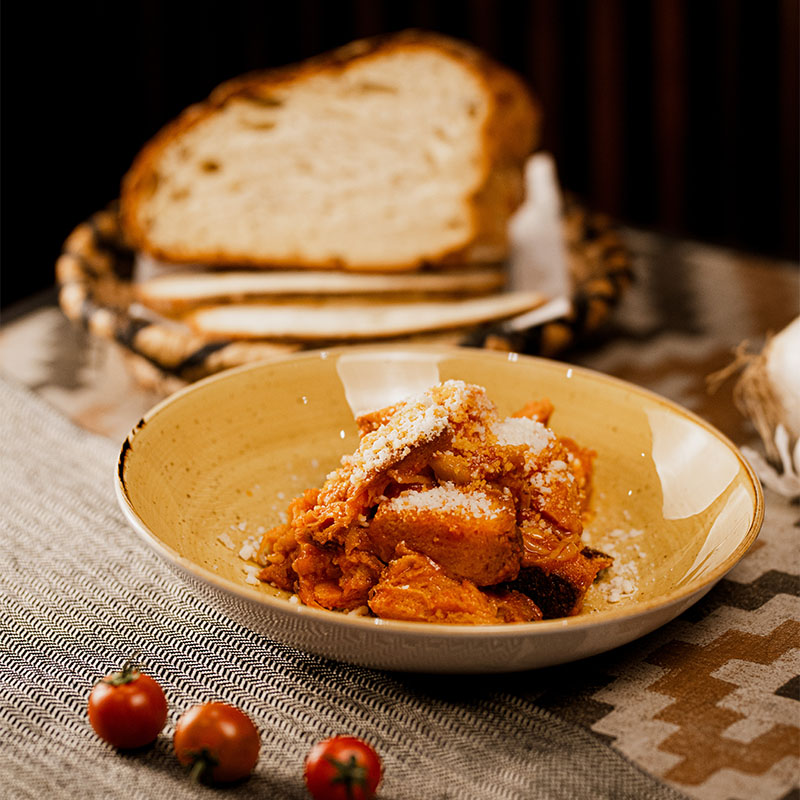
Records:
x=219, y=461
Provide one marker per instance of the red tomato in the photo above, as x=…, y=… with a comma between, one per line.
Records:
x=127, y=708
x=218, y=741
x=342, y=768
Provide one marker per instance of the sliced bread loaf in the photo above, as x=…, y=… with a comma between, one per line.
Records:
x=389, y=154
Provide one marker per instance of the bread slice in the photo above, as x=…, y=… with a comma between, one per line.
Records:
x=388, y=154
x=172, y=294
x=337, y=320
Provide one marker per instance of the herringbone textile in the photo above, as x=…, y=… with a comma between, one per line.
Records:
x=79, y=592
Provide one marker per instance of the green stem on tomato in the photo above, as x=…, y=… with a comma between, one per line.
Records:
x=350, y=773
x=197, y=770
x=127, y=674
x=202, y=763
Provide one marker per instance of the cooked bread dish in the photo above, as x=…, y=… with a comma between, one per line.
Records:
x=446, y=512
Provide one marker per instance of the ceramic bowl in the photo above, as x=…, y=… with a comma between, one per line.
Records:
x=218, y=462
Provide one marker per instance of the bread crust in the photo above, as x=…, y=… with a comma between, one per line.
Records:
x=510, y=133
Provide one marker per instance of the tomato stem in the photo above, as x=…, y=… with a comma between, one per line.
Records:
x=202, y=763
x=197, y=770
x=127, y=674
x=352, y=774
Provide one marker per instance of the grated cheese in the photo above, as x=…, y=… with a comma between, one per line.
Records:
x=251, y=575
x=622, y=580
x=518, y=431
x=447, y=497
x=224, y=538
x=416, y=421
x=249, y=548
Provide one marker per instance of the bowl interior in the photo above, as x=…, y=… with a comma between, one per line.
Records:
x=218, y=462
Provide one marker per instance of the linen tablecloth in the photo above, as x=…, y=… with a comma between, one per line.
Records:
x=707, y=705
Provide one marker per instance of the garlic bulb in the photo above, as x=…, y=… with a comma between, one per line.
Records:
x=783, y=372
x=768, y=392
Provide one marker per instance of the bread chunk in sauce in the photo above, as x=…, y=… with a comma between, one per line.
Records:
x=415, y=588
x=469, y=533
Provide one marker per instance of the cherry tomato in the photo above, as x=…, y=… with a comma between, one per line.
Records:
x=219, y=742
x=342, y=768
x=127, y=708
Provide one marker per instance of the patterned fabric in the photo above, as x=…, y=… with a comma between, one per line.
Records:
x=706, y=707
x=80, y=592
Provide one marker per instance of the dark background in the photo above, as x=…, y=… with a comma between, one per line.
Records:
x=675, y=115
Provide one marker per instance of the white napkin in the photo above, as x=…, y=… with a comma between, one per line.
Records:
x=538, y=259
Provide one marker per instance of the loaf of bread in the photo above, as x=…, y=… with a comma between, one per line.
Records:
x=390, y=154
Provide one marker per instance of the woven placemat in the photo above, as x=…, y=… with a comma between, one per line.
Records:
x=80, y=592
x=94, y=278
